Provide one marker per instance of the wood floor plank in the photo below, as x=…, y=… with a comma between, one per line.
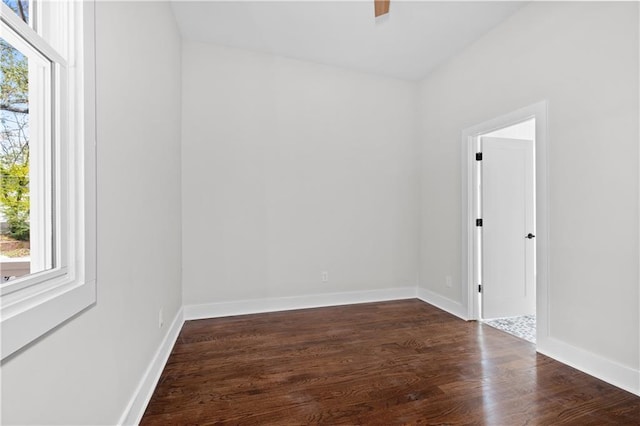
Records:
x=399, y=362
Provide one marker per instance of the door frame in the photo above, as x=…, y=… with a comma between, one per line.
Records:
x=469, y=207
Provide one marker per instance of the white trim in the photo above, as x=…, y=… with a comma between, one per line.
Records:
x=47, y=312
x=274, y=304
x=638, y=94
x=9, y=17
x=441, y=302
x=28, y=314
x=138, y=402
x=137, y=405
x=618, y=375
x=602, y=368
x=469, y=136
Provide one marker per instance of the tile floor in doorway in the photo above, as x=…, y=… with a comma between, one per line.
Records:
x=523, y=327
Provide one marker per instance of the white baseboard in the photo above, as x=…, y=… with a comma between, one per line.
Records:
x=602, y=368
x=256, y=306
x=444, y=303
x=137, y=405
x=618, y=375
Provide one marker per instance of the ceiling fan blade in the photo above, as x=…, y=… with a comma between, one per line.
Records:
x=381, y=7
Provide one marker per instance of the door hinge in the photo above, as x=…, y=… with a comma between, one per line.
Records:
x=478, y=156
x=479, y=288
x=478, y=222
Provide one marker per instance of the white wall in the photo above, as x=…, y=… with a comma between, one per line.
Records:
x=583, y=58
x=291, y=168
x=86, y=371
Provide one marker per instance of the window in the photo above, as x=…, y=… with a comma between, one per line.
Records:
x=26, y=155
x=47, y=167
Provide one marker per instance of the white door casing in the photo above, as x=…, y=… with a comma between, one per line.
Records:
x=468, y=265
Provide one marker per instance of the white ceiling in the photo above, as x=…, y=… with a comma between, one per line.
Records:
x=408, y=43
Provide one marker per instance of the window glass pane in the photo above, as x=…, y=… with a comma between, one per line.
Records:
x=24, y=246
x=22, y=8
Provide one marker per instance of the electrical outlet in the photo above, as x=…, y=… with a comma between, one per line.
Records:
x=324, y=276
x=447, y=281
x=160, y=318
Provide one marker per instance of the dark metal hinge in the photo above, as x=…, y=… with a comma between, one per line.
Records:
x=478, y=156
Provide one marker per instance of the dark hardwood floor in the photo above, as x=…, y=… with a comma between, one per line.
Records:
x=400, y=362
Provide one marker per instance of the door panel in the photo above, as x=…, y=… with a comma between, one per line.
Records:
x=508, y=276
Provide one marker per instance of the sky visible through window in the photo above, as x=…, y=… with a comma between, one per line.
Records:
x=20, y=7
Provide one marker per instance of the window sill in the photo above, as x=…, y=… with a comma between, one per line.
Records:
x=24, y=322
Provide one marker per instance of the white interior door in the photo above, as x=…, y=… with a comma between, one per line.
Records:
x=508, y=255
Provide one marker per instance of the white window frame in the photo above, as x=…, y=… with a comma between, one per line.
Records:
x=34, y=305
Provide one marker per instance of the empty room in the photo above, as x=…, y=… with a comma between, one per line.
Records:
x=363, y=212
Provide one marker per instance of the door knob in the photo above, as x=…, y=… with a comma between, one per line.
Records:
x=529, y=235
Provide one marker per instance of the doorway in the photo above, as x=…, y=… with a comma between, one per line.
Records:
x=505, y=171
x=504, y=228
